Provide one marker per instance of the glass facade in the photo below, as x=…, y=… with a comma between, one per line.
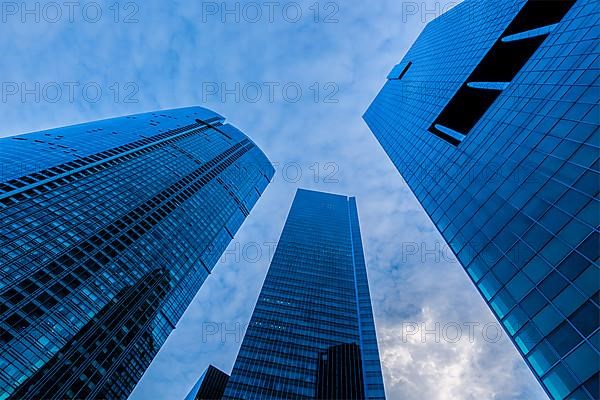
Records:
x=210, y=386
x=314, y=304
x=108, y=230
x=492, y=119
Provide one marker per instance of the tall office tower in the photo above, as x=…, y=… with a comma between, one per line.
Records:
x=108, y=229
x=492, y=119
x=312, y=330
x=210, y=386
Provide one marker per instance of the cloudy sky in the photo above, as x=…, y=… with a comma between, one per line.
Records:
x=296, y=77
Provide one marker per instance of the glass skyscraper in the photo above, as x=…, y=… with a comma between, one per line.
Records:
x=312, y=333
x=210, y=386
x=492, y=119
x=108, y=229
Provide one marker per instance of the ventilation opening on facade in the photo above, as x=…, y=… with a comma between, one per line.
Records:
x=405, y=70
x=498, y=68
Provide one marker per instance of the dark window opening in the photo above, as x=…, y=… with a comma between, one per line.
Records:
x=17, y=322
x=505, y=59
x=5, y=336
x=405, y=70
x=463, y=112
x=13, y=296
x=498, y=68
x=32, y=309
x=538, y=13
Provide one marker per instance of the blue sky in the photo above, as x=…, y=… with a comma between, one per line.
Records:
x=158, y=55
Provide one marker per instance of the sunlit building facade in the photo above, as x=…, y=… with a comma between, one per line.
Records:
x=492, y=120
x=108, y=229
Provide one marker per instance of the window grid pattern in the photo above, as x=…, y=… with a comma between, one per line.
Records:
x=517, y=200
x=308, y=303
x=96, y=271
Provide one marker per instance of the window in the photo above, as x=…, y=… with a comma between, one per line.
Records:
x=405, y=70
x=498, y=68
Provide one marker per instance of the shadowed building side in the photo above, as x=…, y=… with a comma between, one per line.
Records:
x=340, y=374
x=81, y=366
x=210, y=386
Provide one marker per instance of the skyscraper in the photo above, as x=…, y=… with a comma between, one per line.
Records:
x=312, y=330
x=210, y=386
x=108, y=229
x=492, y=119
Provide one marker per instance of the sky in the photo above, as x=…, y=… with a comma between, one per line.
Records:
x=296, y=77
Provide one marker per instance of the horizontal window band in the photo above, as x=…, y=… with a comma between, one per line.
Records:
x=122, y=232
x=79, y=169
